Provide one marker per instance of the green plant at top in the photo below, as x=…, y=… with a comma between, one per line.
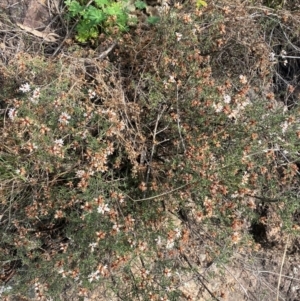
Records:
x=106, y=15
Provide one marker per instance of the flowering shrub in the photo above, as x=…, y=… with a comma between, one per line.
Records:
x=117, y=178
x=67, y=218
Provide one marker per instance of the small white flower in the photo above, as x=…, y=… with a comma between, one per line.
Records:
x=245, y=178
x=235, y=114
x=243, y=79
x=227, y=98
x=93, y=246
x=178, y=233
x=172, y=79
x=35, y=96
x=245, y=103
x=92, y=94
x=33, y=100
x=25, y=88
x=116, y=227
x=170, y=244
x=94, y=276
x=284, y=126
x=64, y=118
x=36, y=93
x=178, y=36
x=272, y=57
x=59, y=142
x=103, y=208
x=283, y=53
x=80, y=173
x=158, y=241
x=31, y=147
x=12, y=113
x=218, y=107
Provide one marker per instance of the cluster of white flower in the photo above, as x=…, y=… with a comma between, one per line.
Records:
x=239, y=108
x=25, y=88
x=284, y=126
x=170, y=244
x=94, y=276
x=56, y=149
x=227, y=98
x=116, y=227
x=59, y=142
x=218, y=107
x=101, y=270
x=272, y=57
x=64, y=118
x=12, y=113
x=80, y=173
x=92, y=94
x=102, y=208
x=35, y=96
x=283, y=55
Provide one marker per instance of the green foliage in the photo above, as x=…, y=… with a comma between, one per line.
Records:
x=153, y=19
x=140, y=4
x=103, y=15
x=275, y=4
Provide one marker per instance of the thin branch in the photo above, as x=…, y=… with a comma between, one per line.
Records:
x=178, y=120
x=154, y=143
x=105, y=53
x=282, y=263
x=162, y=194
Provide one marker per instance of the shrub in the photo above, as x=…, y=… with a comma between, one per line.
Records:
x=110, y=176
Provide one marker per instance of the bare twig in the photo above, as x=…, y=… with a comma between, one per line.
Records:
x=162, y=194
x=154, y=143
x=105, y=53
x=178, y=119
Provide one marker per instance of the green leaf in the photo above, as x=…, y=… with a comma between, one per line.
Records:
x=101, y=3
x=86, y=31
x=200, y=3
x=153, y=19
x=140, y=4
x=94, y=15
x=115, y=9
x=74, y=7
